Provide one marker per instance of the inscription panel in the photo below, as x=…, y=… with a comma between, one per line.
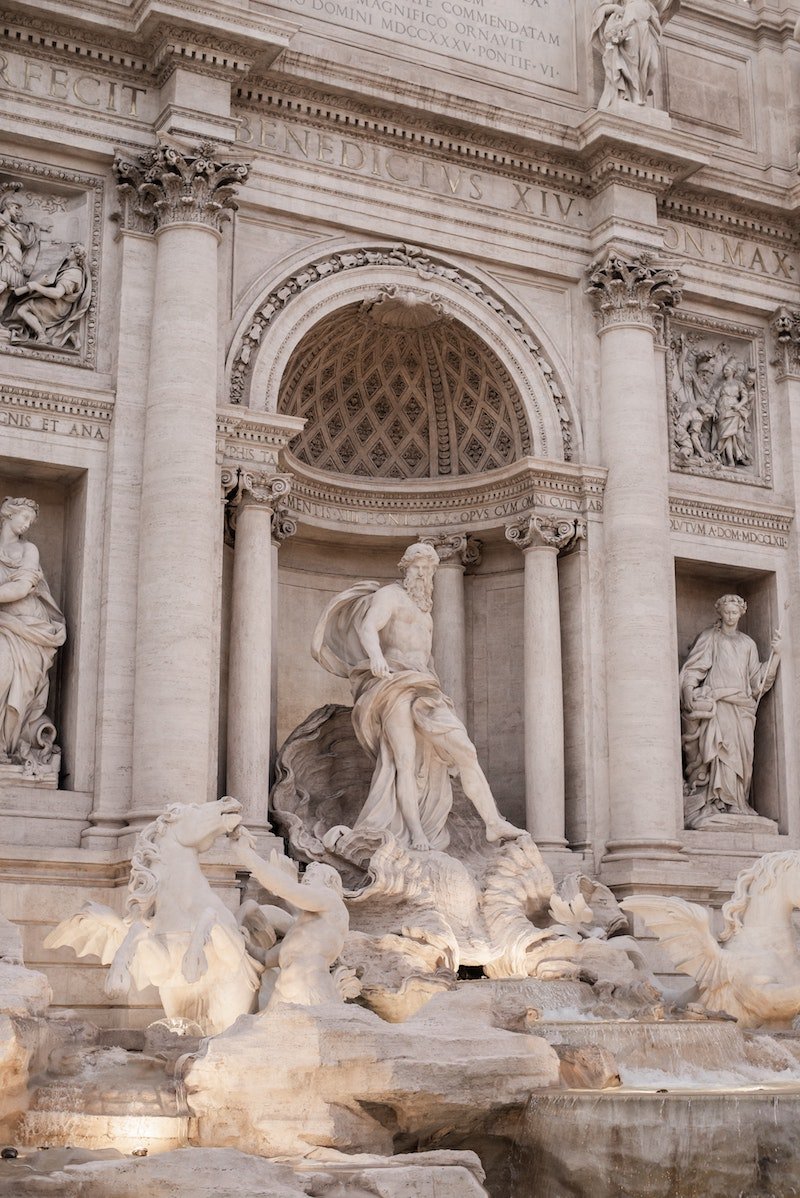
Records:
x=532, y=40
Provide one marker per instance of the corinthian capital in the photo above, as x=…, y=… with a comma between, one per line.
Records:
x=458, y=548
x=545, y=532
x=785, y=329
x=632, y=290
x=169, y=185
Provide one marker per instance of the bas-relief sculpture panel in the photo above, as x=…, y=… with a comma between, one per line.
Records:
x=49, y=243
x=718, y=408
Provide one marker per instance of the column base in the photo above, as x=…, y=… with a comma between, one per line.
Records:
x=644, y=849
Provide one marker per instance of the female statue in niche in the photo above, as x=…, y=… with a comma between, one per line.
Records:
x=31, y=629
x=721, y=684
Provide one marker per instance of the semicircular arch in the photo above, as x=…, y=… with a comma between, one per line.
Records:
x=309, y=291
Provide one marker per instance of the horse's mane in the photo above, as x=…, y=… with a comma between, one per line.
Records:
x=143, y=884
x=763, y=875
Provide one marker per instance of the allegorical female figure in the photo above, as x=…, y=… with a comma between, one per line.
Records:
x=722, y=682
x=31, y=629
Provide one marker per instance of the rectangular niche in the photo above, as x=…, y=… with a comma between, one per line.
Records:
x=58, y=534
x=697, y=586
x=717, y=400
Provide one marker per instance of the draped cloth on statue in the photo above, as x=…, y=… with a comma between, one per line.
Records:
x=337, y=646
x=31, y=629
x=719, y=743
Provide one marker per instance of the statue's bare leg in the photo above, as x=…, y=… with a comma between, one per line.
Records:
x=478, y=791
x=399, y=730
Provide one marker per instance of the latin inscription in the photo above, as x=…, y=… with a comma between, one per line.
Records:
x=725, y=249
x=29, y=76
x=84, y=430
x=529, y=39
x=414, y=171
x=475, y=514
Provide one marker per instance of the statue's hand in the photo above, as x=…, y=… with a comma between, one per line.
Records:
x=379, y=667
x=775, y=643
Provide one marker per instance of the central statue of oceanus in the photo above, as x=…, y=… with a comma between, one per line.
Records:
x=380, y=638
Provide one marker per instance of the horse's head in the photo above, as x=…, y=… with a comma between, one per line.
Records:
x=197, y=825
x=774, y=877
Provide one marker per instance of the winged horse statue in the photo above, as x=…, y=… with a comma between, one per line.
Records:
x=176, y=933
x=753, y=971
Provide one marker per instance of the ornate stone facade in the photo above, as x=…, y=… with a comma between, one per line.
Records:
x=267, y=317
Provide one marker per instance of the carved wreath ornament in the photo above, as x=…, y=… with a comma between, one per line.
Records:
x=406, y=257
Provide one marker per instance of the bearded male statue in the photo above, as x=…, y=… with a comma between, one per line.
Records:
x=380, y=638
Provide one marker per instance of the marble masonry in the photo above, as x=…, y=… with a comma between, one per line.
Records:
x=399, y=576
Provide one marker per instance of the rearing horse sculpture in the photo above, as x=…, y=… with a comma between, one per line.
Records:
x=753, y=973
x=176, y=934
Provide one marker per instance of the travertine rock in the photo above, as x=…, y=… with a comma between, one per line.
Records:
x=228, y=1173
x=301, y=1079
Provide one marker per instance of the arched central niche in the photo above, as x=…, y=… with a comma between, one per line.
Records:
x=398, y=388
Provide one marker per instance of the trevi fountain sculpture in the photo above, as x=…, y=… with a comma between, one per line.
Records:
x=408, y=986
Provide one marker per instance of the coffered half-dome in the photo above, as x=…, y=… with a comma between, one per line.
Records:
x=396, y=388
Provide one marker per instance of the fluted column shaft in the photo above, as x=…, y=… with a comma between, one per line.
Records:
x=449, y=614
x=253, y=647
x=543, y=696
x=183, y=196
x=643, y=727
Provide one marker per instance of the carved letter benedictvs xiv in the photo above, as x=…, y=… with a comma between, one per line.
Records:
x=632, y=291
x=168, y=186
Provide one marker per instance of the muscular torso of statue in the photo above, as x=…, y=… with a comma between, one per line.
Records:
x=407, y=636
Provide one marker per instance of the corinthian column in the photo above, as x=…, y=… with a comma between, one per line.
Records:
x=184, y=197
x=259, y=522
x=643, y=730
x=541, y=539
x=449, y=614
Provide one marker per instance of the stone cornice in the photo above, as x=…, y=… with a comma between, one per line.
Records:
x=429, y=506
x=729, y=215
x=211, y=37
x=612, y=148
x=761, y=526
x=248, y=438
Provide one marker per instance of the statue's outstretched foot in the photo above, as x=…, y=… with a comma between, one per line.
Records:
x=502, y=830
x=420, y=843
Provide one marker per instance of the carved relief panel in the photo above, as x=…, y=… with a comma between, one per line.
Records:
x=49, y=247
x=717, y=399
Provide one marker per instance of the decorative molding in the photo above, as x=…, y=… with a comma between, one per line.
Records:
x=545, y=532
x=169, y=185
x=249, y=439
x=427, y=507
x=54, y=413
x=632, y=291
x=725, y=522
x=460, y=547
x=785, y=330
x=690, y=338
x=402, y=257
